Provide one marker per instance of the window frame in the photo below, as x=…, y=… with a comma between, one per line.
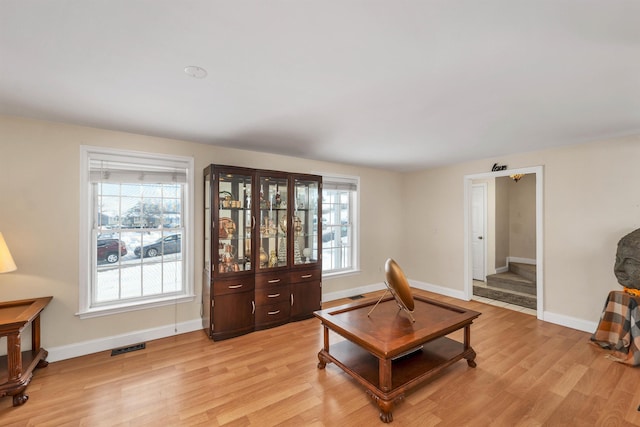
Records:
x=354, y=207
x=86, y=252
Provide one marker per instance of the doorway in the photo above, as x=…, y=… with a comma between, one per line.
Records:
x=471, y=235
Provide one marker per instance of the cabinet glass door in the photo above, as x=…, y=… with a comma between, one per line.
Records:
x=305, y=221
x=207, y=230
x=234, y=222
x=272, y=244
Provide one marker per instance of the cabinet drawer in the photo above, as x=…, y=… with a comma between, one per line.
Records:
x=269, y=280
x=305, y=276
x=229, y=286
x=274, y=295
x=273, y=313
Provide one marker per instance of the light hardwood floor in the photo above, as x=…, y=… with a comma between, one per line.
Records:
x=529, y=373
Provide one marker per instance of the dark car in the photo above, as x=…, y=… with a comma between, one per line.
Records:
x=111, y=250
x=167, y=245
x=329, y=235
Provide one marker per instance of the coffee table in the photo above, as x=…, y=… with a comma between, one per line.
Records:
x=389, y=354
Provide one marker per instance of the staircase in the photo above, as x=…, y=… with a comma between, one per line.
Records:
x=516, y=286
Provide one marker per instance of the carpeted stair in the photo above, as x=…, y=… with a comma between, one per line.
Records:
x=516, y=286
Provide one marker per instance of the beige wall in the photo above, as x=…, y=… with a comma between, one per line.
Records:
x=39, y=215
x=591, y=199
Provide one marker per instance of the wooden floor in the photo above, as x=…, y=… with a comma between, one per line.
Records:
x=529, y=373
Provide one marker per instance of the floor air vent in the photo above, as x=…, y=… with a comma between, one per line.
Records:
x=117, y=351
x=356, y=297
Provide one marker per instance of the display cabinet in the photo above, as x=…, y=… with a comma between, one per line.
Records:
x=262, y=249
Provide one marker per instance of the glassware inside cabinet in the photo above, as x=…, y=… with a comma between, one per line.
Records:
x=234, y=222
x=305, y=221
x=273, y=222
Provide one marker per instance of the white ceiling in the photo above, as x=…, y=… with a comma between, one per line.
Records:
x=396, y=84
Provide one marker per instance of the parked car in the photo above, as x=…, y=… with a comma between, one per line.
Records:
x=108, y=250
x=167, y=245
x=329, y=235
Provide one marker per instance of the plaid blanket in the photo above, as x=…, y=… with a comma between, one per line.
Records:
x=619, y=328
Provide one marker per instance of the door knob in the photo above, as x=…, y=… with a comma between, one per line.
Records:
x=479, y=237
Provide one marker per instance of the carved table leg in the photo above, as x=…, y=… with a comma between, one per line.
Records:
x=471, y=359
x=20, y=399
x=14, y=357
x=386, y=416
x=322, y=360
x=386, y=406
x=471, y=356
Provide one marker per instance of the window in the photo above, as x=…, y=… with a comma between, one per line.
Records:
x=136, y=230
x=339, y=225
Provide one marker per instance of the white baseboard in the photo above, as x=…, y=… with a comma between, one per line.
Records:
x=502, y=269
x=570, y=322
x=331, y=296
x=108, y=343
x=558, y=319
x=531, y=261
x=381, y=286
x=453, y=293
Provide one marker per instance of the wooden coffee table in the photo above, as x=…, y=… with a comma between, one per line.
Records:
x=389, y=354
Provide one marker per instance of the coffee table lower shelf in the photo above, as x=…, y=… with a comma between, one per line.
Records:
x=406, y=372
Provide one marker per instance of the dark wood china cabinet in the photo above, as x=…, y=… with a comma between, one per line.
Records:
x=262, y=249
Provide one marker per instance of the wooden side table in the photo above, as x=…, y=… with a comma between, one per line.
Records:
x=16, y=368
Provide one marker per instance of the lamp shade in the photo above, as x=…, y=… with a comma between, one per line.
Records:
x=6, y=261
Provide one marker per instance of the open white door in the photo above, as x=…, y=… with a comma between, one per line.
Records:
x=478, y=230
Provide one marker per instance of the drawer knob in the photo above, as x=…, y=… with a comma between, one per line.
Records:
x=273, y=295
x=274, y=281
x=271, y=313
x=235, y=286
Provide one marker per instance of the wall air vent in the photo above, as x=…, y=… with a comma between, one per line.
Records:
x=117, y=351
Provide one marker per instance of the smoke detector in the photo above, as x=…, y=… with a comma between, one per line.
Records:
x=195, y=71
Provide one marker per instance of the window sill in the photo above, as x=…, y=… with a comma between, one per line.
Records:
x=124, y=308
